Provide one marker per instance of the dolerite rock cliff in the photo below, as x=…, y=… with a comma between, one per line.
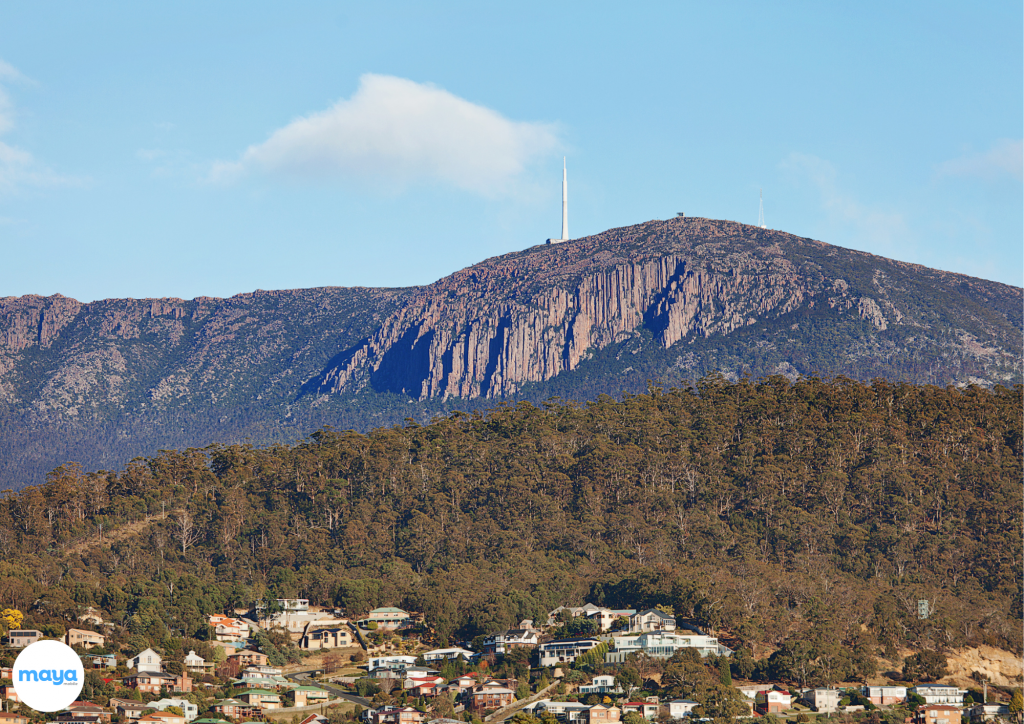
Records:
x=667, y=301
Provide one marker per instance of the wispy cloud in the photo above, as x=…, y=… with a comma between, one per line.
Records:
x=393, y=132
x=880, y=227
x=17, y=166
x=1005, y=158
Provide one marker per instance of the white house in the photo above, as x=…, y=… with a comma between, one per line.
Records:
x=662, y=645
x=146, y=662
x=824, y=701
x=393, y=663
x=604, y=684
x=195, y=662
x=935, y=694
x=565, y=651
x=678, y=708
x=190, y=710
x=447, y=654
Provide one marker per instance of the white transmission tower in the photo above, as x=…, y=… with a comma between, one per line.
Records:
x=760, y=213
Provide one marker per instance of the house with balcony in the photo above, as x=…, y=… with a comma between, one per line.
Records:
x=307, y=696
x=394, y=715
x=652, y=620
x=936, y=694
x=85, y=639
x=227, y=628
x=436, y=656
x=504, y=641
x=261, y=699
x=565, y=651
x=248, y=657
x=604, y=684
x=235, y=709
x=387, y=617
x=661, y=645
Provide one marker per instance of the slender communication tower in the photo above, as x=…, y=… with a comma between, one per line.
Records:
x=565, y=203
x=565, y=208
x=760, y=212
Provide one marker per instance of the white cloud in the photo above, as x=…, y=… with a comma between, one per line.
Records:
x=393, y=132
x=17, y=166
x=1005, y=158
x=880, y=227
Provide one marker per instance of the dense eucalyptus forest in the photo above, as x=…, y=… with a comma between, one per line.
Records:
x=776, y=513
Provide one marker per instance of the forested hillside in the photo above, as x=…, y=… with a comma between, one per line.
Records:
x=771, y=511
x=669, y=301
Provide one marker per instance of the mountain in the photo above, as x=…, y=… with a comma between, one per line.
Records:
x=666, y=301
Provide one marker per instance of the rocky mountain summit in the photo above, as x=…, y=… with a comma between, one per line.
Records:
x=666, y=301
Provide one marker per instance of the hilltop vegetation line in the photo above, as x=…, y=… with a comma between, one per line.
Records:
x=772, y=512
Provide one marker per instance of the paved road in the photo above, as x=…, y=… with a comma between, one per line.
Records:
x=302, y=677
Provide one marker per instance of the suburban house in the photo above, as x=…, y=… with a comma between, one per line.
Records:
x=128, y=708
x=7, y=693
x=195, y=662
x=261, y=698
x=937, y=714
x=517, y=638
x=23, y=637
x=248, y=657
x=89, y=709
x=392, y=663
x=307, y=696
x=605, y=617
x=86, y=639
x=771, y=701
x=8, y=718
x=645, y=709
x=824, y=701
x=604, y=684
x=600, y=714
x=490, y=697
x=103, y=661
x=161, y=717
x=662, y=645
x=564, y=711
x=387, y=617
x=935, y=694
x=652, y=620
x=885, y=695
x=226, y=628
x=987, y=712
x=326, y=638
x=678, y=708
x=91, y=615
x=394, y=715
x=423, y=685
x=564, y=651
x=190, y=710
x=446, y=654
x=152, y=682
x=146, y=661
x=234, y=709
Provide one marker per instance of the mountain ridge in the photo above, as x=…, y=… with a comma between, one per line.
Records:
x=663, y=300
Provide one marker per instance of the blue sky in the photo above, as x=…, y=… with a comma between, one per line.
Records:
x=186, y=149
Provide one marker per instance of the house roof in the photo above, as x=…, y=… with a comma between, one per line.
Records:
x=494, y=690
x=387, y=609
x=655, y=611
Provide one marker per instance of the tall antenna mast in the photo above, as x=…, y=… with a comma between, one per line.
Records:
x=565, y=204
x=760, y=212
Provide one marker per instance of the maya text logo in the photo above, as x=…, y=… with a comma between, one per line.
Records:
x=54, y=676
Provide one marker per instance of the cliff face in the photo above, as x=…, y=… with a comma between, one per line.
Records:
x=665, y=300
x=488, y=330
